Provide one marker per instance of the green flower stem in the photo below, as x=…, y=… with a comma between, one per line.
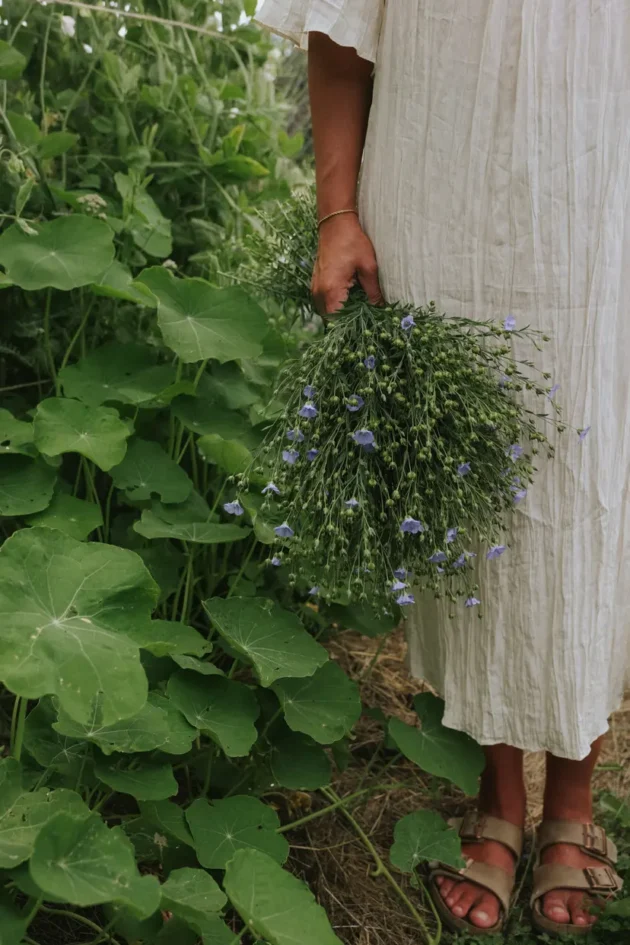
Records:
x=108, y=511
x=29, y=916
x=81, y=919
x=181, y=450
x=200, y=372
x=382, y=870
x=47, y=347
x=20, y=708
x=188, y=583
x=90, y=486
x=340, y=802
x=246, y=561
x=239, y=937
x=78, y=333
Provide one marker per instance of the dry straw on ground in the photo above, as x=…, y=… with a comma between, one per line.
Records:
x=363, y=908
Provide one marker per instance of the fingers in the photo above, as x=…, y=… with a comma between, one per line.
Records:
x=330, y=298
x=368, y=277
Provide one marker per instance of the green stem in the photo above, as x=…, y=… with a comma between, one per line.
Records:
x=367, y=671
x=74, y=339
x=341, y=802
x=20, y=721
x=66, y=913
x=28, y=918
x=190, y=571
x=47, y=347
x=199, y=374
x=91, y=486
x=382, y=870
x=108, y=511
x=239, y=576
x=42, y=76
x=238, y=938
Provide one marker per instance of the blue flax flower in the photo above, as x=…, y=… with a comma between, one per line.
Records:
x=461, y=561
x=412, y=526
x=472, y=602
x=398, y=586
x=401, y=573
x=354, y=403
x=405, y=599
x=271, y=487
x=276, y=562
x=510, y=323
x=312, y=454
x=351, y=503
x=309, y=391
x=234, y=508
x=407, y=323
x=554, y=390
x=284, y=530
x=290, y=456
x=308, y=411
x=438, y=557
x=518, y=496
x=363, y=438
x=451, y=535
x=314, y=591
x=496, y=552
x=370, y=362
x=463, y=469
x=296, y=435
x=583, y=434
x=515, y=451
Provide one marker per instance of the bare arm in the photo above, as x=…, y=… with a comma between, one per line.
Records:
x=341, y=93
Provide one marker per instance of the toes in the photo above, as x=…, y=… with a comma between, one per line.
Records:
x=455, y=894
x=446, y=887
x=485, y=914
x=468, y=897
x=555, y=907
x=579, y=909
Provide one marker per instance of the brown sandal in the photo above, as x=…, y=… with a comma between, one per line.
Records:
x=476, y=828
x=602, y=881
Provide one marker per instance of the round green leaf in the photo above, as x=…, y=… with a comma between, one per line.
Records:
x=66, y=252
x=191, y=894
x=229, y=455
x=121, y=373
x=16, y=436
x=363, y=618
x=228, y=384
x=227, y=710
x=166, y=638
x=55, y=143
x=204, y=533
x=74, y=517
x=150, y=230
x=116, y=282
x=325, y=706
x=424, y=836
x=147, y=470
x=145, y=731
x=299, y=764
x=26, y=485
x=205, y=667
x=235, y=823
x=441, y=751
x=181, y=734
x=271, y=638
x=85, y=863
x=145, y=782
x=12, y=62
x=166, y=818
x=65, y=608
x=207, y=417
x=275, y=904
x=199, y=321
x=67, y=426
x=48, y=747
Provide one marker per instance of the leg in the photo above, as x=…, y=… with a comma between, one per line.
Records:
x=568, y=796
x=502, y=794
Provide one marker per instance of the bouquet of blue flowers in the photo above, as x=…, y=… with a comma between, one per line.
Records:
x=404, y=444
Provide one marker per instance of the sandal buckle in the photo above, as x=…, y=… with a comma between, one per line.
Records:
x=472, y=827
x=594, y=839
x=601, y=877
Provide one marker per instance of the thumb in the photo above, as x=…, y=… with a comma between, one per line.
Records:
x=368, y=277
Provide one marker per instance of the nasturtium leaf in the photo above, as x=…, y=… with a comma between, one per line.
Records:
x=68, y=426
x=229, y=455
x=16, y=436
x=325, y=706
x=231, y=824
x=147, y=470
x=300, y=764
x=194, y=509
x=55, y=143
x=214, y=931
x=116, y=282
x=441, y=751
x=204, y=533
x=49, y=748
x=227, y=710
x=151, y=230
x=191, y=894
x=26, y=485
x=364, y=619
x=181, y=734
x=270, y=637
x=424, y=836
x=164, y=562
x=119, y=373
x=86, y=863
x=65, y=607
x=228, y=385
x=167, y=818
x=205, y=667
x=276, y=905
x=74, y=517
x=145, y=731
x=621, y=909
x=65, y=253
x=206, y=417
x=199, y=321
x=145, y=782
x=12, y=62
x=14, y=922
x=166, y=638
x=23, y=814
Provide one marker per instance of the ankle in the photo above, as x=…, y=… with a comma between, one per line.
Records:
x=564, y=802
x=503, y=795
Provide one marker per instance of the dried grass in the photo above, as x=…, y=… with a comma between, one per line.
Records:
x=364, y=909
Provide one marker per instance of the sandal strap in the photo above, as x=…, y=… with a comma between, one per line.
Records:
x=476, y=827
x=590, y=838
x=593, y=879
x=492, y=878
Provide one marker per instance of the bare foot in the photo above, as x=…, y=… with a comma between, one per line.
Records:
x=568, y=905
x=479, y=906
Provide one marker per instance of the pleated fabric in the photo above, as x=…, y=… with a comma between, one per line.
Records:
x=496, y=181
x=354, y=23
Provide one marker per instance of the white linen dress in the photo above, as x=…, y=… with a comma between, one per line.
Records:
x=495, y=180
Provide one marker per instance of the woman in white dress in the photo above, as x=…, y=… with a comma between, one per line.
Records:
x=493, y=138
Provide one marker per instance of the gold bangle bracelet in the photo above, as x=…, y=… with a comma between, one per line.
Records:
x=336, y=214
